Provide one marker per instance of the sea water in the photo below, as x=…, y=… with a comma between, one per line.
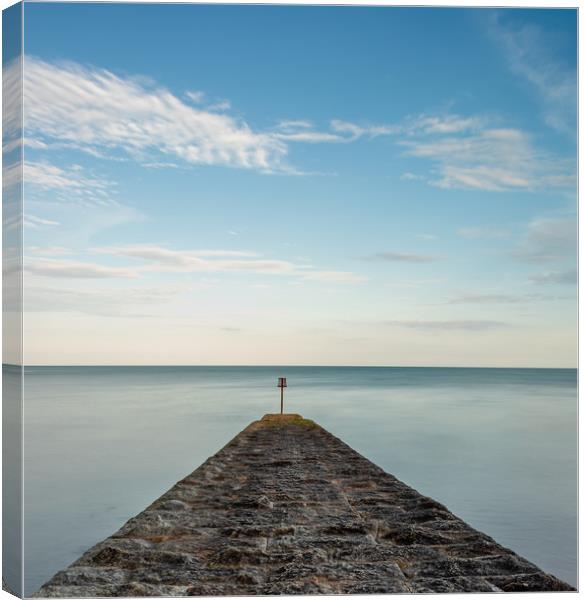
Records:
x=498, y=447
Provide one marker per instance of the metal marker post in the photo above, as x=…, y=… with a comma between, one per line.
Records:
x=282, y=384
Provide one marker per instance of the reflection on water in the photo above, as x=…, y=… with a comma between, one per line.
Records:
x=496, y=446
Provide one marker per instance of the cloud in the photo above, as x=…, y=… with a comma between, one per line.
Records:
x=473, y=298
x=166, y=260
x=160, y=165
x=402, y=257
x=357, y=131
x=443, y=124
x=454, y=325
x=108, y=303
x=411, y=177
x=94, y=110
x=71, y=183
x=311, y=137
x=339, y=131
x=468, y=152
x=333, y=277
x=35, y=144
x=529, y=52
x=47, y=250
x=196, y=97
x=106, y=115
x=179, y=258
x=492, y=160
x=201, y=98
x=568, y=277
x=294, y=125
x=12, y=106
x=486, y=299
x=549, y=240
x=422, y=124
x=303, y=131
x=12, y=221
x=220, y=106
x=416, y=283
x=488, y=233
x=11, y=174
x=71, y=269
x=32, y=222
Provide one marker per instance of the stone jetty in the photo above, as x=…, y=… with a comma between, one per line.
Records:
x=287, y=508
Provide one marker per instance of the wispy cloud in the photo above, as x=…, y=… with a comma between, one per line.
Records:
x=548, y=240
x=32, y=222
x=95, y=110
x=165, y=259
x=443, y=124
x=471, y=298
x=333, y=276
x=402, y=257
x=530, y=55
x=17, y=220
x=418, y=125
x=568, y=277
x=172, y=258
x=454, y=325
x=158, y=259
x=474, y=298
x=469, y=152
x=492, y=160
x=125, y=302
x=303, y=131
x=488, y=233
x=553, y=242
x=12, y=106
x=72, y=269
x=219, y=106
x=408, y=176
x=70, y=183
x=47, y=250
x=354, y=131
x=197, y=97
x=416, y=283
x=11, y=174
x=110, y=116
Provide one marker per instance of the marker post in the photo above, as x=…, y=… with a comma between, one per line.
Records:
x=282, y=384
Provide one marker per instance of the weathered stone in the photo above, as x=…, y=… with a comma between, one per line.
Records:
x=287, y=508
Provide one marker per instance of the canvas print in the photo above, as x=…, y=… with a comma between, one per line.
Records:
x=290, y=300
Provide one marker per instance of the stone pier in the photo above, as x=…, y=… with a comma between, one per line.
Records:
x=287, y=508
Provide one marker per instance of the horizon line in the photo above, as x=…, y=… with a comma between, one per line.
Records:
x=283, y=366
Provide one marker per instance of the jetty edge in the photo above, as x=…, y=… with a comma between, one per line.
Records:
x=288, y=508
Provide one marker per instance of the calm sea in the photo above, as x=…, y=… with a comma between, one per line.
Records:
x=497, y=446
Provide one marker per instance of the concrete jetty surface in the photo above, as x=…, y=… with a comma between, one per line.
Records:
x=287, y=508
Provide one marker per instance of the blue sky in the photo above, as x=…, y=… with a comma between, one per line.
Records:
x=299, y=185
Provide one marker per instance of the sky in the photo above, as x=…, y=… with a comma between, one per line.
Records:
x=299, y=185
